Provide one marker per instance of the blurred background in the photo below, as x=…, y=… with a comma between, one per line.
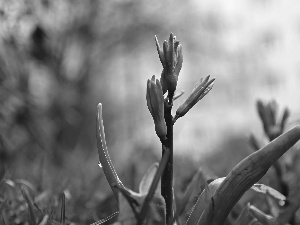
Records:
x=59, y=59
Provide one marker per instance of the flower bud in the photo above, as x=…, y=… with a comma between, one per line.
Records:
x=268, y=115
x=201, y=89
x=171, y=59
x=155, y=103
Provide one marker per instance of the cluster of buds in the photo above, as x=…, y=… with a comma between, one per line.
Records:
x=268, y=115
x=171, y=59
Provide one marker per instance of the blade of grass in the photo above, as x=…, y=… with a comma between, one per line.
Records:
x=209, y=203
x=30, y=206
x=38, y=208
x=159, y=172
x=106, y=219
x=3, y=218
x=63, y=209
x=200, y=206
x=44, y=220
x=49, y=221
x=197, y=179
x=243, y=218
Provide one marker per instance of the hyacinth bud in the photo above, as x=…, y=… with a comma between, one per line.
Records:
x=201, y=89
x=155, y=103
x=171, y=59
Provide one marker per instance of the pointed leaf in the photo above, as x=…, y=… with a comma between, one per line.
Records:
x=200, y=206
x=30, y=206
x=209, y=205
x=243, y=218
x=248, y=172
x=273, y=205
x=262, y=188
x=104, y=158
x=3, y=218
x=106, y=219
x=197, y=210
x=147, y=179
x=44, y=220
x=129, y=203
x=261, y=216
x=194, y=187
x=157, y=210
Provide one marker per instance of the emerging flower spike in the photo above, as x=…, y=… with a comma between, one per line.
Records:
x=268, y=114
x=201, y=89
x=171, y=59
x=155, y=103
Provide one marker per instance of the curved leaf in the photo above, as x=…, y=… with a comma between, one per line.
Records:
x=247, y=172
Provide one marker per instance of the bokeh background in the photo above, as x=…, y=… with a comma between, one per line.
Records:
x=59, y=59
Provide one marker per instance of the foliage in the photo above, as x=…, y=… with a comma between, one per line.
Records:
x=47, y=68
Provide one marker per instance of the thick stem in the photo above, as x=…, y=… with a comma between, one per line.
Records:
x=167, y=177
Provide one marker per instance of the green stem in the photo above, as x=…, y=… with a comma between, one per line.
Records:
x=167, y=177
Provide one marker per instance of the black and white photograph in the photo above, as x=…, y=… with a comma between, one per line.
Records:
x=138, y=112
